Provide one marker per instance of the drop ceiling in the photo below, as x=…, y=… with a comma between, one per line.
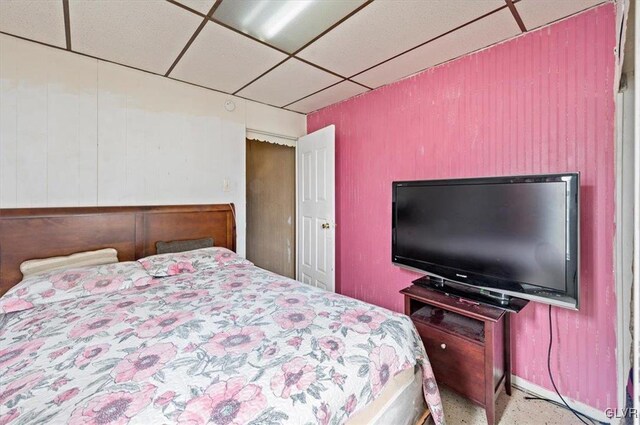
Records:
x=299, y=55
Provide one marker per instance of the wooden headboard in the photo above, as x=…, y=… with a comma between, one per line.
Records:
x=47, y=232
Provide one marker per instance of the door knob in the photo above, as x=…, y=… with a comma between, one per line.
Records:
x=326, y=225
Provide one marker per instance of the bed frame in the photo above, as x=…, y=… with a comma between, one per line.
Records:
x=48, y=232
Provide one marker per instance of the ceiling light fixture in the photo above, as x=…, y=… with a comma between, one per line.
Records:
x=284, y=15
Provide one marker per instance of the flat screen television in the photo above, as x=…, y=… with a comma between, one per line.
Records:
x=500, y=237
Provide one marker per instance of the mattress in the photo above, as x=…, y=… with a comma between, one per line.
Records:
x=401, y=402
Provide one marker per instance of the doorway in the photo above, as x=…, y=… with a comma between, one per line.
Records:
x=271, y=206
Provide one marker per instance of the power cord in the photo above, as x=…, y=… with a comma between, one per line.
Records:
x=551, y=375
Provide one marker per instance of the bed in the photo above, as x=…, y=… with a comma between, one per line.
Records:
x=195, y=337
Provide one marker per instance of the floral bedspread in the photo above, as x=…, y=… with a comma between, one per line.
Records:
x=219, y=342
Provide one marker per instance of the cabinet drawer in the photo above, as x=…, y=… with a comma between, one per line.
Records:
x=456, y=362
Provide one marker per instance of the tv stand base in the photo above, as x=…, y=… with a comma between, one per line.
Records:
x=468, y=344
x=478, y=295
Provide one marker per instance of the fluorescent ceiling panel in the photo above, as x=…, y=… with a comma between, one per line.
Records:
x=535, y=13
x=202, y=6
x=37, y=20
x=287, y=83
x=335, y=94
x=145, y=34
x=222, y=59
x=385, y=28
x=286, y=24
x=482, y=33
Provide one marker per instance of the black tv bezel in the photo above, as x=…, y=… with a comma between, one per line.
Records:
x=569, y=298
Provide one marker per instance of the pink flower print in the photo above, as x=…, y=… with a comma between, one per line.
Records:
x=190, y=348
x=281, y=286
x=338, y=379
x=232, y=402
x=180, y=267
x=124, y=332
x=186, y=296
x=22, y=292
x=103, y=284
x=215, y=308
x=239, y=340
x=115, y=408
x=33, y=320
x=334, y=326
x=94, y=325
x=14, y=304
x=258, y=310
x=294, y=377
x=16, y=352
x=163, y=323
x=295, y=318
x=225, y=256
x=323, y=415
x=143, y=282
x=235, y=285
x=58, y=383
x=144, y=362
x=125, y=304
x=86, y=302
x=331, y=346
x=66, y=396
x=21, y=386
x=362, y=320
x=324, y=314
x=270, y=351
x=165, y=398
x=292, y=300
x=351, y=404
x=295, y=342
x=67, y=279
x=384, y=365
x=48, y=293
x=9, y=416
x=90, y=354
x=58, y=353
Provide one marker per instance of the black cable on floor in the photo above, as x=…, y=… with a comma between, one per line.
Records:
x=551, y=375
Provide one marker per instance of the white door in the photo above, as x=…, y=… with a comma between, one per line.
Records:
x=315, y=167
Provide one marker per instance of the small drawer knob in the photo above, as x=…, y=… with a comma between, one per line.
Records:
x=443, y=346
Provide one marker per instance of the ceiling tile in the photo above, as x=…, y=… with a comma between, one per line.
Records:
x=334, y=94
x=34, y=19
x=535, y=13
x=287, y=83
x=224, y=60
x=385, y=28
x=145, y=34
x=482, y=33
x=202, y=6
x=286, y=24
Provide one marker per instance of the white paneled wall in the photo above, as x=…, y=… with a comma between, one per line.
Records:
x=75, y=131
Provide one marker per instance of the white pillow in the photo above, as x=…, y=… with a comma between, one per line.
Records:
x=79, y=259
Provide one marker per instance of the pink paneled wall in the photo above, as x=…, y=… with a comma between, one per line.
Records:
x=541, y=103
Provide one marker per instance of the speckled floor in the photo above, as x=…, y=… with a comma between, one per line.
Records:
x=510, y=411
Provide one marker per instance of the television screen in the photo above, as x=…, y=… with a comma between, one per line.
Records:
x=514, y=235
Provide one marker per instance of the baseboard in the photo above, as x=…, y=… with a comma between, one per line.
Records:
x=539, y=391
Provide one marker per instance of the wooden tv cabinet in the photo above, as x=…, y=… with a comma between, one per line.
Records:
x=467, y=344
